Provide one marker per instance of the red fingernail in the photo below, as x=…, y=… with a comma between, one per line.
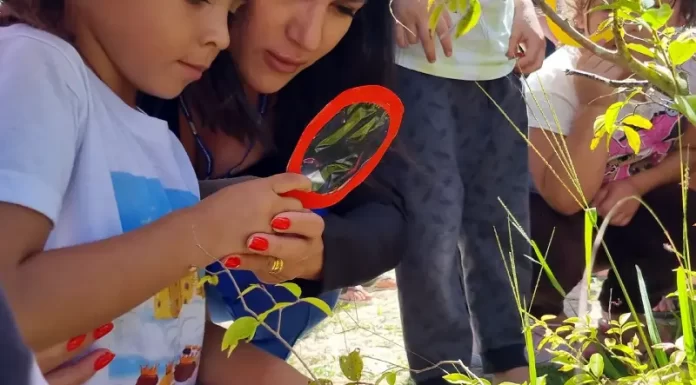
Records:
x=103, y=360
x=258, y=244
x=103, y=330
x=232, y=262
x=75, y=342
x=281, y=223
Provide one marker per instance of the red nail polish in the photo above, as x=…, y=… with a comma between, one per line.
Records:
x=103, y=360
x=258, y=244
x=232, y=262
x=281, y=223
x=75, y=342
x=103, y=330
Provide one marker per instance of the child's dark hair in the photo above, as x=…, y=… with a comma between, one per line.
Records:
x=47, y=15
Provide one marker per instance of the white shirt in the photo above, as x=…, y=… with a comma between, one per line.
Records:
x=477, y=55
x=552, y=103
x=75, y=152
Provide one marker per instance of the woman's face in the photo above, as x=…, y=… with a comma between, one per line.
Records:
x=274, y=40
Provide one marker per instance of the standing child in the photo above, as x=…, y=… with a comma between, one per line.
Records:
x=98, y=200
x=465, y=155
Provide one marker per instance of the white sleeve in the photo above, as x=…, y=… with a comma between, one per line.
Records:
x=550, y=99
x=40, y=92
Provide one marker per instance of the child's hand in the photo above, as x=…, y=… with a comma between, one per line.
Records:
x=609, y=196
x=237, y=220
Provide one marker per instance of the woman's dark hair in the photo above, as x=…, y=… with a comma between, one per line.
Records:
x=364, y=56
x=47, y=15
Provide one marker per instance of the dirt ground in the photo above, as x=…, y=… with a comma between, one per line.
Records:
x=375, y=329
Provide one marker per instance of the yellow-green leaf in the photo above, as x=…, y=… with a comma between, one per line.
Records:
x=596, y=365
x=658, y=17
x=430, y=4
x=435, y=17
x=452, y=5
x=318, y=303
x=292, y=288
x=595, y=142
x=456, y=378
x=687, y=106
x=276, y=307
x=246, y=291
x=682, y=50
x=209, y=279
x=352, y=365
x=641, y=49
x=611, y=115
x=389, y=377
x=321, y=381
x=637, y=121
x=470, y=18
x=241, y=328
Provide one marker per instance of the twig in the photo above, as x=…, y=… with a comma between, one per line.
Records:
x=253, y=313
x=609, y=82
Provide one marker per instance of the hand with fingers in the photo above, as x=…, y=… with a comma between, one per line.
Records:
x=411, y=27
x=296, y=250
x=611, y=194
x=528, y=34
x=58, y=365
x=236, y=221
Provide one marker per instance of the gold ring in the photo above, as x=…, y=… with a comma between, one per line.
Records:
x=277, y=266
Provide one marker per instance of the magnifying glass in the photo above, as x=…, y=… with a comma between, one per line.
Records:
x=344, y=143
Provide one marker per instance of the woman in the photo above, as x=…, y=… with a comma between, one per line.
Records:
x=286, y=60
x=563, y=109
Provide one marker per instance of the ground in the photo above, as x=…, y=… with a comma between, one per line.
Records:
x=375, y=329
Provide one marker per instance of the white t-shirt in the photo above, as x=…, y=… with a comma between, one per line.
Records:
x=478, y=55
x=552, y=104
x=75, y=152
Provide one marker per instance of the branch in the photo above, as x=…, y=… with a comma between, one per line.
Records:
x=609, y=82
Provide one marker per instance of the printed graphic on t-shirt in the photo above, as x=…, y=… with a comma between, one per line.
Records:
x=655, y=144
x=158, y=342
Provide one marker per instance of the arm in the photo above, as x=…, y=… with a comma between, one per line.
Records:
x=247, y=364
x=363, y=237
x=588, y=164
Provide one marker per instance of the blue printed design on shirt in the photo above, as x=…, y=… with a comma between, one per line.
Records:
x=159, y=341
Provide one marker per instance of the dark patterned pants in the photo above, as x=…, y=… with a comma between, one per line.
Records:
x=456, y=155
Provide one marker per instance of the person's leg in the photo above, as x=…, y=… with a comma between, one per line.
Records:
x=493, y=164
x=433, y=306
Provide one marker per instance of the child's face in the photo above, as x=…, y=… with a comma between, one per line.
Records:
x=154, y=46
x=274, y=40
x=590, y=21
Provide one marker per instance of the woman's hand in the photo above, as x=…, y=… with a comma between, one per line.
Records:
x=296, y=250
x=238, y=218
x=55, y=362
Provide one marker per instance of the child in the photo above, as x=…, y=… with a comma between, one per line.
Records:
x=98, y=200
x=605, y=174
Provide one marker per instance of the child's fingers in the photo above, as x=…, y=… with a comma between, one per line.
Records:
x=81, y=371
x=283, y=183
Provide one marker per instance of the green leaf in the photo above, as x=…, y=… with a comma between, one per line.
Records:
x=435, y=16
x=580, y=379
x=596, y=365
x=292, y=288
x=352, y=365
x=470, y=18
x=276, y=307
x=653, y=331
x=687, y=106
x=641, y=49
x=456, y=378
x=321, y=305
x=390, y=377
x=632, y=137
x=241, y=328
x=682, y=50
x=611, y=116
x=321, y=381
x=637, y=121
x=658, y=17
x=246, y=291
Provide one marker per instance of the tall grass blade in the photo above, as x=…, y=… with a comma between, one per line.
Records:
x=687, y=326
x=660, y=355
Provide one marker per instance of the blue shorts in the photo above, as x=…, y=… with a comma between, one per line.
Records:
x=224, y=305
